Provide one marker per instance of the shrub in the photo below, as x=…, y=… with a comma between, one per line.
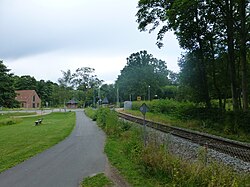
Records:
x=112, y=127
x=237, y=121
x=102, y=114
x=166, y=106
x=91, y=113
x=227, y=122
x=9, y=121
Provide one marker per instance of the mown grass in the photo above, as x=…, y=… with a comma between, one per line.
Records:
x=99, y=180
x=13, y=117
x=23, y=140
x=13, y=114
x=153, y=165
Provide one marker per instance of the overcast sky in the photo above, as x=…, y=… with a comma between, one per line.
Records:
x=42, y=37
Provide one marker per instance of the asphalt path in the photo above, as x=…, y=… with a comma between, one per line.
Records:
x=65, y=164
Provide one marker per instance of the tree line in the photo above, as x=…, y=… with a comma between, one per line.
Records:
x=215, y=34
x=48, y=91
x=82, y=85
x=142, y=74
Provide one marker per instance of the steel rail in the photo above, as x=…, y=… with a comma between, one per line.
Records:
x=233, y=148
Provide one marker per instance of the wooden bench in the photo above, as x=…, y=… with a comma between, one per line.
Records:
x=39, y=121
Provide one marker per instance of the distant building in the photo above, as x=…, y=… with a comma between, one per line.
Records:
x=28, y=99
x=105, y=101
x=72, y=104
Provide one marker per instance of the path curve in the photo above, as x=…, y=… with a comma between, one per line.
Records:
x=65, y=164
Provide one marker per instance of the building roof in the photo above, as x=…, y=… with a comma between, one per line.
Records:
x=24, y=95
x=105, y=101
x=72, y=101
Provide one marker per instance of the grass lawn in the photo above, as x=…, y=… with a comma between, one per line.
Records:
x=22, y=140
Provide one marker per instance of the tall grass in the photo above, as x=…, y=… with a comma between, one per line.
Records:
x=154, y=165
x=213, y=120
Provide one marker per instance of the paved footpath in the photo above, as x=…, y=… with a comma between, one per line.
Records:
x=65, y=164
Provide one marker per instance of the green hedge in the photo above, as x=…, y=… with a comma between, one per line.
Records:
x=166, y=106
x=213, y=118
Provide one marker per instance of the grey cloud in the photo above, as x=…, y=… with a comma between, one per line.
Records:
x=29, y=30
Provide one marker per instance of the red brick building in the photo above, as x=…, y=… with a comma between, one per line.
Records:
x=28, y=99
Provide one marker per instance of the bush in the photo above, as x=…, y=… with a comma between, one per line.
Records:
x=227, y=122
x=237, y=121
x=166, y=106
x=108, y=120
x=102, y=114
x=91, y=113
x=9, y=121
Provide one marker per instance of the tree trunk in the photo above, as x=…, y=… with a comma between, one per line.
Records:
x=243, y=53
x=231, y=57
x=214, y=77
x=203, y=69
x=204, y=80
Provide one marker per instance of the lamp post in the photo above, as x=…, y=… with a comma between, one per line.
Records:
x=149, y=92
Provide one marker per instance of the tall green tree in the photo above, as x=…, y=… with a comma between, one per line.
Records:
x=142, y=74
x=108, y=91
x=25, y=82
x=44, y=89
x=244, y=30
x=66, y=80
x=7, y=92
x=206, y=27
x=187, y=19
x=84, y=80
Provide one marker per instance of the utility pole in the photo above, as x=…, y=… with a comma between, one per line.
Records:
x=149, y=92
x=117, y=99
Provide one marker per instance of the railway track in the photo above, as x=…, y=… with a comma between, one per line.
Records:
x=230, y=147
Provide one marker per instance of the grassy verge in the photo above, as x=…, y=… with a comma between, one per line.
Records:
x=190, y=124
x=22, y=140
x=153, y=165
x=99, y=180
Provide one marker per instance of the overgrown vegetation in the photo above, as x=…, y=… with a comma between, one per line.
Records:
x=99, y=180
x=153, y=165
x=22, y=140
x=190, y=115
